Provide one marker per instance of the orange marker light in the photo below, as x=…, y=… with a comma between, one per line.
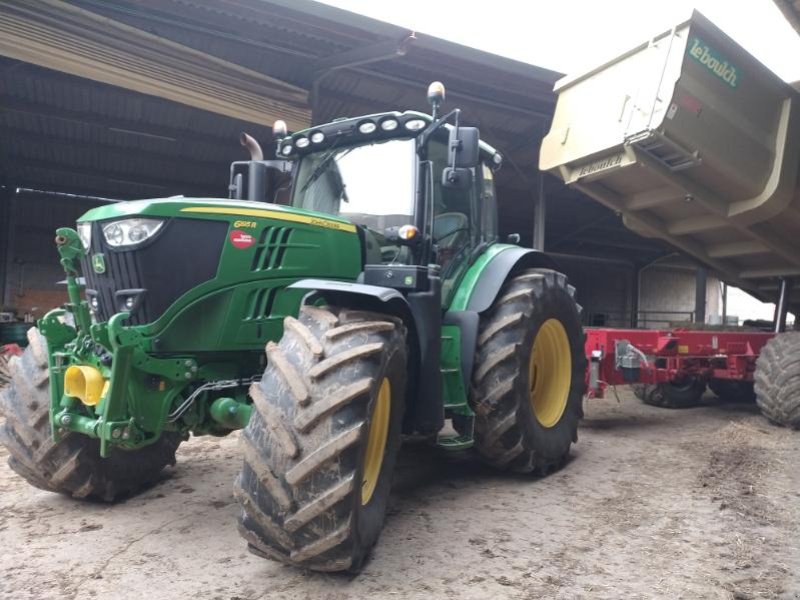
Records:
x=407, y=232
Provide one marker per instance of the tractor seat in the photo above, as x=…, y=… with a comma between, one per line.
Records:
x=444, y=226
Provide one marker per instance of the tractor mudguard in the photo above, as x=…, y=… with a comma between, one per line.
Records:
x=479, y=288
x=493, y=273
x=421, y=312
x=348, y=288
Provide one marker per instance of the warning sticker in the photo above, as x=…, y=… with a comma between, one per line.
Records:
x=241, y=239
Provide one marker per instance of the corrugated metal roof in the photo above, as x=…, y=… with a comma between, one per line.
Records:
x=67, y=38
x=76, y=135
x=67, y=133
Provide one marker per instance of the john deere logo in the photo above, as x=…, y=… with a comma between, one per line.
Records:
x=714, y=62
x=98, y=263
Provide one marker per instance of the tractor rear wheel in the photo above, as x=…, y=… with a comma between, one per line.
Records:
x=777, y=378
x=72, y=466
x=529, y=376
x=732, y=390
x=685, y=394
x=320, y=448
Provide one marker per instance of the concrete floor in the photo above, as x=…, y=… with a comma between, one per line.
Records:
x=698, y=503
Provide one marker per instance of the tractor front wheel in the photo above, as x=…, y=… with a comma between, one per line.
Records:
x=320, y=448
x=777, y=380
x=529, y=374
x=73, y=465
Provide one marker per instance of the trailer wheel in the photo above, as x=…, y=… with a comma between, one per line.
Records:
x=320, y=448
x=529, y=375
x=685, y=394
x=72, y=466
x=732, y=390
x=777, y=380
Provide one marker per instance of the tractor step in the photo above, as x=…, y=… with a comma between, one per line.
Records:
x=450, y=439
x=455, y=442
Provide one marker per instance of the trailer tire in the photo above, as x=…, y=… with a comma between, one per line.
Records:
x=320, y=448
x=730, y=390
x=777, y=380
x=529, y=374
x=670, y=395
x=72, y=466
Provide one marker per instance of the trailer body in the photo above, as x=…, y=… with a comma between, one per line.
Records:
x=693, y=141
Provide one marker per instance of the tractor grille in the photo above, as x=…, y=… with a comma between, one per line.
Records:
x=259, y=304
x=271, y=248
x=184, y=254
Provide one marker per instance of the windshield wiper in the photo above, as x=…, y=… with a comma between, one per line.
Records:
x=323, y=165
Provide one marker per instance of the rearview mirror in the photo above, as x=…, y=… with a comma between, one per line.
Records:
x=463, y=148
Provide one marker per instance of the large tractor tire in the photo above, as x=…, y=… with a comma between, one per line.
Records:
x=777, y=380
x=529, y=375
x=72, y=466
x=321, y=445
x=685, y=394
x=731, y=390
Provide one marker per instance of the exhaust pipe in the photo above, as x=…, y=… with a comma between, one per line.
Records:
x=256, y=171
x=253, y=147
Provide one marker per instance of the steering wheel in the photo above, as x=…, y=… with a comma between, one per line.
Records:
x=449, y=233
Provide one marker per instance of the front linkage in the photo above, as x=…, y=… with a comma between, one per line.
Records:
x=105, y=383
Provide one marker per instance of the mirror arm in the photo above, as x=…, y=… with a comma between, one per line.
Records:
x=455, y=143
x=433, y=127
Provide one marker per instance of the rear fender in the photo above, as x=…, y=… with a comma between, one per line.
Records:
x=479, y=289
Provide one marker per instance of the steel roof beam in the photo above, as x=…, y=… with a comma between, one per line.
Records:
x=13, y=136
x=363, y=55
x=151, y=186
x=122, y=125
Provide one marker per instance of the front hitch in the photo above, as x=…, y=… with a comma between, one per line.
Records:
x=71, y=250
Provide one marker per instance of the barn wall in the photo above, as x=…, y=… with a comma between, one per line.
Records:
x=671, y=291
x=33, y=269
x=603, y=288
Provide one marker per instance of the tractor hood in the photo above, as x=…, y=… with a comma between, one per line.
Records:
x=173, y=263
x=179, y=206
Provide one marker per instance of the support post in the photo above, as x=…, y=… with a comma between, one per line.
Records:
x=539, y=215
x=701, y=279
x=6, y=245
x=635, y=291
x=781, y=306
x=724, y=303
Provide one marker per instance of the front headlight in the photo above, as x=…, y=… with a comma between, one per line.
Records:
x=85, y=233
x=128, y=232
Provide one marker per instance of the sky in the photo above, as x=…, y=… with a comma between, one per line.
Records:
x=571, y=36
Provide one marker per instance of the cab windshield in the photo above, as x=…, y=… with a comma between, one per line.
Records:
x=372, y=185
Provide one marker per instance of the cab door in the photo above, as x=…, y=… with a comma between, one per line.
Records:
x=456, y=225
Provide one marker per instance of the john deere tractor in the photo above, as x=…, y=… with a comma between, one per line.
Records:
x=385, y=302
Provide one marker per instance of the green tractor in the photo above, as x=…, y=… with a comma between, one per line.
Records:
x=387, y=307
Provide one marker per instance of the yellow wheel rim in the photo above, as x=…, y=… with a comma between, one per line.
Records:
x=550, y=373
x=376, y=441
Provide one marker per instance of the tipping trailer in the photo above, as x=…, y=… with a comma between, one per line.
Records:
x=694, y=141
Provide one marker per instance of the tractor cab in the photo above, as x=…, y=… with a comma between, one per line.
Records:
x=420, y=191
